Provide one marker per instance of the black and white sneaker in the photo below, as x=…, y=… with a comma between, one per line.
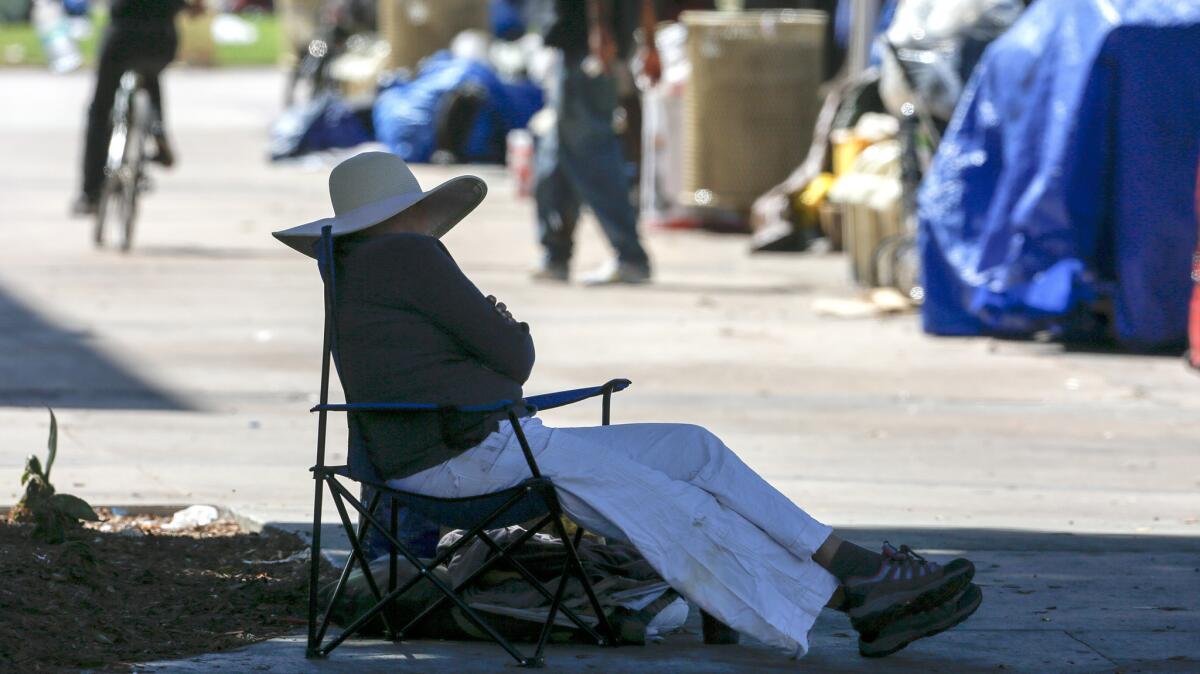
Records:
x=906, y=583
x=906, y=629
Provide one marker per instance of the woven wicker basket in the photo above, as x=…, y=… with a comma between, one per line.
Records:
x=751, y=103
x=417, y=28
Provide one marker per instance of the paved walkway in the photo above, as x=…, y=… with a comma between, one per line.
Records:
x=181, y=374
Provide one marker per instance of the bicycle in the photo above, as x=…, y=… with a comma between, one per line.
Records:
x=133, y=118
x=338, y=22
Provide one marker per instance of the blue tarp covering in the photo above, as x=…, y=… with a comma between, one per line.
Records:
x=1067, y=176
x=406, y=113
x=323, y=123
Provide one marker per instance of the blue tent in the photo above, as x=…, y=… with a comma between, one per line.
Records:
x=1067, y=176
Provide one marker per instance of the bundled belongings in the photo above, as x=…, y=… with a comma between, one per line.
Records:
x=457, y=105
x=631, y=592
x=1064, y=182
x=324, y=123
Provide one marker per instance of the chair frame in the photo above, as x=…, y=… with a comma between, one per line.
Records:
x=533, y=498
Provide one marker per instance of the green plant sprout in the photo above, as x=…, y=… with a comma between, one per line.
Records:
x=53, y=515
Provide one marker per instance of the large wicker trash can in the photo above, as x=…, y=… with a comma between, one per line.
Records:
x=298, y=20
x=417, y=28
x=751, y=103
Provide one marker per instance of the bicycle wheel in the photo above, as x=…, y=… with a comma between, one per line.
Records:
x=111, y=191
x=133, y=166
x=107, y=210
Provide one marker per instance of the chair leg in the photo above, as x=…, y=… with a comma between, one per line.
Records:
x=483, y=568
x=425, y=572
x=346, y=570
x=610, y=635
x=314, y=571
x=554, y=605
x=392, y=569
x=357, y=551
x=534, y=582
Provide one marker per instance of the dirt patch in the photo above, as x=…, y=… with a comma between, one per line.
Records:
x=125, y=590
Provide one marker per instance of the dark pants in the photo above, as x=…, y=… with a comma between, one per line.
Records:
x=144, y=47
x=417, y=534
x=582, y=163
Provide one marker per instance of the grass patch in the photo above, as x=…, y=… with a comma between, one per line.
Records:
x=262, y=52
x=19, y=44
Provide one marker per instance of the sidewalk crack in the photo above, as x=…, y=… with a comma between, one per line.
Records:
x=1092, y=648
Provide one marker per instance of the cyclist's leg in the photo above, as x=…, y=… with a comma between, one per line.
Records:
x=153, y=63
x=110, y=65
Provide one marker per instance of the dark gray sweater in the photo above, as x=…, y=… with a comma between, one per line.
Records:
x=412, y=328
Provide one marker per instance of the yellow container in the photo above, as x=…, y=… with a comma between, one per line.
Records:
x=846, y=148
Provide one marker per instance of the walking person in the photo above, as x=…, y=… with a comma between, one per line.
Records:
x=140, y=36
x=412, y=327
x=581, y=161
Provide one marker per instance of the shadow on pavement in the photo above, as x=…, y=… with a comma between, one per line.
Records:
x=43, y=364
x=208, y=252
x=1052, y=602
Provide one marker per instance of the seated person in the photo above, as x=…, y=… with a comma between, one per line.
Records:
x=410, y=327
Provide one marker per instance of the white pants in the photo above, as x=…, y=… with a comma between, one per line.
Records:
x=714, y=529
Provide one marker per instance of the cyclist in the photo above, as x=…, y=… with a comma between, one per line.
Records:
x=140, y=36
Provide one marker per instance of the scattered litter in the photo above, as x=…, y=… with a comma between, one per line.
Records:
x=192, y=517
x=299, y=556
x=877, y=302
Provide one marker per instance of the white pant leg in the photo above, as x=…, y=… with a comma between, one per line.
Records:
x=695, y=455
x=708, y=552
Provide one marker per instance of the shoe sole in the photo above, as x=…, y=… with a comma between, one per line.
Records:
x=890, y=643
x=897, y=605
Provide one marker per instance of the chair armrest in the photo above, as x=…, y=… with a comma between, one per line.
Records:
x=545, y=401
x=410, y=407
x=548, y=401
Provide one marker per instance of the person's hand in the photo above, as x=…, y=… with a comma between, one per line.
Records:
x=602, y=51
x=651, y=65
x=501, y=309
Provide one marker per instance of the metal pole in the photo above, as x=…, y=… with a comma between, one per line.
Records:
x=864, y=15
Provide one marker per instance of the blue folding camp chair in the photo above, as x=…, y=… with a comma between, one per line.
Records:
x=532, y=500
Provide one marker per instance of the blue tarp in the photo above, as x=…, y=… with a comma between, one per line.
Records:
x=406, y=113
x=1067, y=176
x=323, y=123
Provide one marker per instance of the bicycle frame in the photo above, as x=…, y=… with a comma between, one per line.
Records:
x=132, y=119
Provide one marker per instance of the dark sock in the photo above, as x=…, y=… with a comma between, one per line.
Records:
x=849, y=560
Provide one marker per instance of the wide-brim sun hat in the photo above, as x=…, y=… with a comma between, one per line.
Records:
x=372, y=187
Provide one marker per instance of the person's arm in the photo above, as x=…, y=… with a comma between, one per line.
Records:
x=435, y=286
x=650, y=60
x=601, y=44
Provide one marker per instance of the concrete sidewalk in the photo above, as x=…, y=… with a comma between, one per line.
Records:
x=182, y=372
x=1052, y=603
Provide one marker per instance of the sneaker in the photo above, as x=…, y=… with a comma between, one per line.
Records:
x=617, y=273
x=557, y=273
x=85, y=205
x=906, y=583
x=907, y=629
